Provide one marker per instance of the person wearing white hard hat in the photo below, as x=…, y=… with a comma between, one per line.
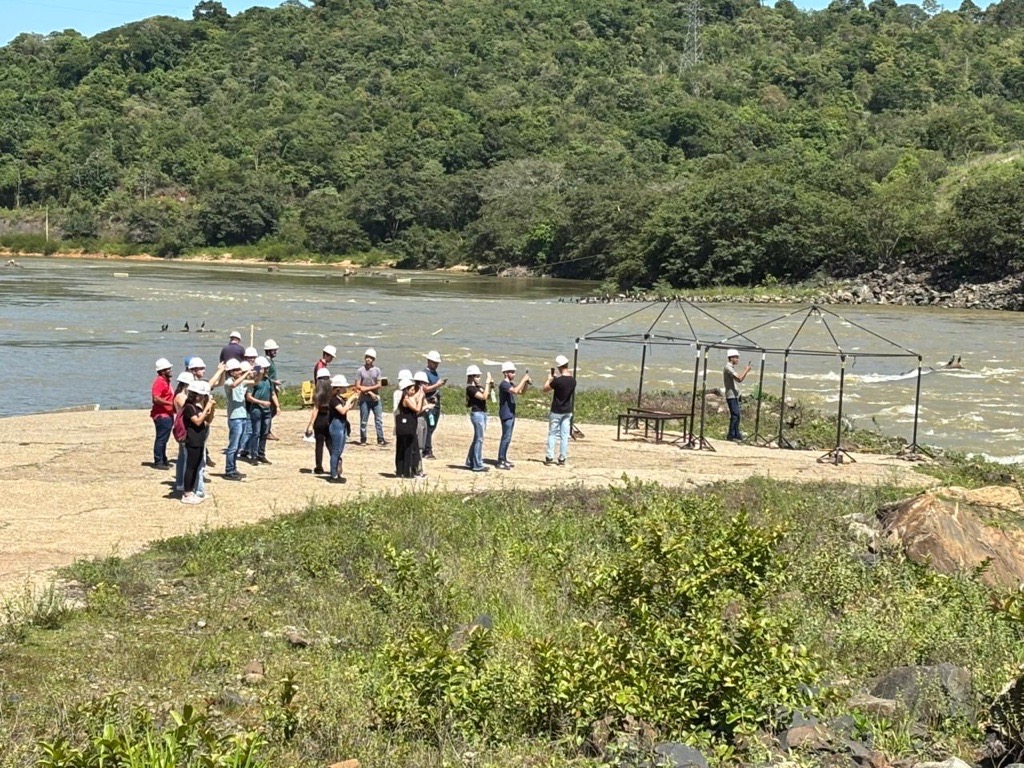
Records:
x=562, y=384
x=733, y=378
x=261, y=402
x=507, y=392
x=425, y=416
x=476, y=402
x=239, y=379
x=398, y=394
x=162, y=412
x=196, y=414
x=407, y=454
x=178, y=430
x=197, y=368
x=432, y=390
x=327, y=356
x=338, y=407
x=320, y=419
x=368, y=380
x=270, y=348
x=233, y=350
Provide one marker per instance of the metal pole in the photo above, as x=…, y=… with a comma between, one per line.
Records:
x=693, y=397
x=917, y=404
x=782, y=397
x=839, y=415
x=575, y=361
x=760, y=397
x=703, y=400
x=643, y=364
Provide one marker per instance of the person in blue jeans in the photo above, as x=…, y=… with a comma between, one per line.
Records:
x=507, y=392
x=476, y=401
x=368, y=379
x=432, y=390
x=162, y=412
x=238, y=417
x=562, y=384
x=261, y=403
x=733, y=378
x=338, y=426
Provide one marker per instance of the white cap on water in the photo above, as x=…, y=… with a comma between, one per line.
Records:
x=433, y=356
x=270, y=344
x=733, y=353
x=323, y=373
x=509, y=366
x=371, y=352
x=473, y=370
x=163, y=364
x=561, y=361
x=330, y=350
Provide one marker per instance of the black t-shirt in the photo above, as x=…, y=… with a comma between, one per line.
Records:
x=195, y=436
x=335, y=402
x=563, y=394
x=473, y=402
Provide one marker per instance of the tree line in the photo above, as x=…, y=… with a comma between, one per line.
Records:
x=579, y=138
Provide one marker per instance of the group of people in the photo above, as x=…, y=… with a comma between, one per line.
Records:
x=186, y=410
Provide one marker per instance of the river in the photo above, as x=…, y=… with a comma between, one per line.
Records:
x=76, y=331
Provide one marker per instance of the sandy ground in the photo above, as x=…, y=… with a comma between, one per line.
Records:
x=79, y=485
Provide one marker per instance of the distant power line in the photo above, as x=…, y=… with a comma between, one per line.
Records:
x=693, y=49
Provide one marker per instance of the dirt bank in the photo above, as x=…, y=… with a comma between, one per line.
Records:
x=78, y=484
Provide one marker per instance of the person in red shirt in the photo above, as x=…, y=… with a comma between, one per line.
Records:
x=162, y=412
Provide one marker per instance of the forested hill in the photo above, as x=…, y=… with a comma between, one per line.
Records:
x=582, y=137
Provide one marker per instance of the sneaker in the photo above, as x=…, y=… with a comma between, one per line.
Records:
x=319, y=471
x=210, y=462
x=271, y=436
x=362, y=441
x=337, y=479
x=161, y=465
x=561, y=461
x=382, y=442
x=483, y=469
x=548, y=461
x=191, y=499
x=428, y=455
x=504, y=465
x=233, y=476
x=421, y=474
x=263, y=460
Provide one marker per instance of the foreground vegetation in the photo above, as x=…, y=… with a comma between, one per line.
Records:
x=575, y=137
x=490, y=631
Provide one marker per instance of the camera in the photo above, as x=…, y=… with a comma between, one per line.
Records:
x=384, y=381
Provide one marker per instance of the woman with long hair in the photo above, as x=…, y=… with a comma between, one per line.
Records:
x=476, y=402
x=180, y=396
x=196, y=414
x=338, y=426
x=407, y=457
x=320, y=418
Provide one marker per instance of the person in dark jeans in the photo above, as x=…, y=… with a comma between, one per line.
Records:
x=196, y=415
x=162, y=412
x=261, y=402
x=320, y=418
x=733, y=378
x=507, y=392
x=432, y=391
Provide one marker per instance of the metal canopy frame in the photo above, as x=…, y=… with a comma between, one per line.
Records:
x=743, y=340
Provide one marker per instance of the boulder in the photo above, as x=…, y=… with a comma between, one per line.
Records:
x=807, y=738
x=957, y=530
x=952, y=762
x=873, y=705
x=672, y=754
x=933, y=693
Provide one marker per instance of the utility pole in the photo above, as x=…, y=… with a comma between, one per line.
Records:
x=693, y=51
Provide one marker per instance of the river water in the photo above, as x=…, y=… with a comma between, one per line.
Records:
x=78, y=332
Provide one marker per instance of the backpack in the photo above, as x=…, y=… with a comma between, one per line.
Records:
x=179, y=429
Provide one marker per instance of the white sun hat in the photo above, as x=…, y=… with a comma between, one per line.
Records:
x=196, y=362
x=330, y=350
x=163, y=364
x=199, y=387
x=405, y=373
x=473, y=370
x=185, y=378
x=232, y=365
x=421, y=377
x=270, y=344
x=561, y=361
x=509, y=366
x=262, y=362
x=371, y=352
x=323, y=373
x=234, y=335
x=405, y=383
x=733, y=353
x=433, y=356
x=250, y=352
x=339, y=380
x=246, y=366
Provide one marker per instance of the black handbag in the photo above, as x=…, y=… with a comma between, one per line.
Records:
x=405, y=424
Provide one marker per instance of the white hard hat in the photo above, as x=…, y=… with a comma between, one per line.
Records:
x=433, y=356
x=262, y=362
x=163, y=364
x=733, y=353
x=199, y=387
x=371, y=352
x=561, y=361
x=339, y=380
x=405, y=373
x=330, y=350
x=509, y=366
x=473, y=370
x=232, y=365
x=323, y=373
x=234, y=335
x=246, y=366
x=270, y=344
x=405, y=383
x=421, y=377
x=196, y=362
x=185, y=378
x=250, y=352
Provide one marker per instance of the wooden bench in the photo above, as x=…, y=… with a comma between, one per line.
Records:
x=653, y=421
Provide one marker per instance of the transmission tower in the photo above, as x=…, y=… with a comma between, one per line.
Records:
x=693, y=51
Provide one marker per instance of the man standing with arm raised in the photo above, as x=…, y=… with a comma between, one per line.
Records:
x=563, y=386
x=432, y=389
x=733, y=379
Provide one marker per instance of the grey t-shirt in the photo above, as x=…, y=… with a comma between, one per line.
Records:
x=367, y=377
x=732, y=382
